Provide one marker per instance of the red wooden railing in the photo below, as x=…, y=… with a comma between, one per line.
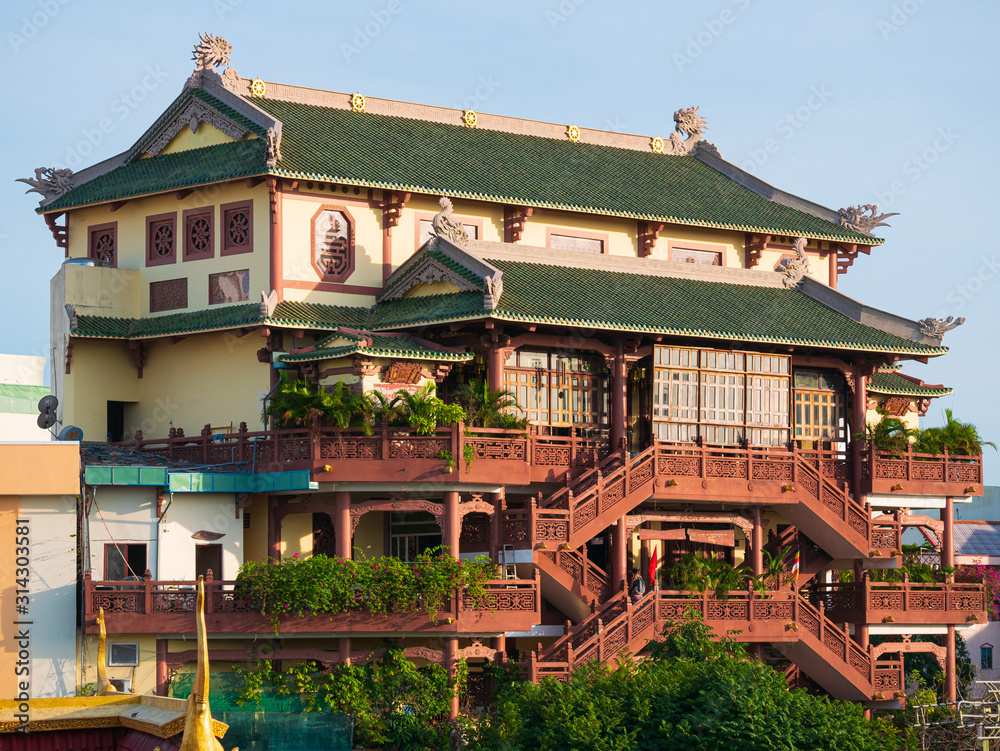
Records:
x=927, y=474
x=898, y=599
x=157, y=597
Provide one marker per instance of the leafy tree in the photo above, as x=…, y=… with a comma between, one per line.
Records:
x=422, y=410
x=888, y=434
x=300, y=404
x=691, y=693
x=961, y=438
x=489, y=408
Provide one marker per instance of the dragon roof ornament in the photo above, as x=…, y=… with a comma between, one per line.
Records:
x=446, y=227
x=936, y=327
x=687, y=122
x=864, y=218
x=794, y=270
x=49, y=182
x=211, y=52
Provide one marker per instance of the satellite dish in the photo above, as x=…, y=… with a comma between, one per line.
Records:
x=47, y=411
x=70, y=433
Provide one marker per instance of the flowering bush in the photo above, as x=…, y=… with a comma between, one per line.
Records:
x=320, y=585
x=989, y=577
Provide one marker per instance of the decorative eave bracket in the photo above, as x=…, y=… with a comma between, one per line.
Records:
x=514, y=219
x=648, y=232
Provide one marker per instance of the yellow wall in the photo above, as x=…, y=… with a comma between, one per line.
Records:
x=297, y=535
x=131, y=220
x=255, y=538
x=101, y=371
x=369, y=537
x=207, y=135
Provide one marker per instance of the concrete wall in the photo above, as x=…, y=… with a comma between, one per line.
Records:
x=188, y=514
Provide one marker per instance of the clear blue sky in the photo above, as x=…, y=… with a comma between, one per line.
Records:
x=887, y=101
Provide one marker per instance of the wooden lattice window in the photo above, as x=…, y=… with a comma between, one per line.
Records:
x=161, y=239
x=237, y=227
x=168, y=295
x=332, y=243
x=820, y=407
x=199, y=233
x=102, y=243
x=559, y=390
x=724, y=397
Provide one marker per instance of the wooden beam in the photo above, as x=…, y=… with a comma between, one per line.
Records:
x=180, y=195
x=662, y=534
x=115, y=205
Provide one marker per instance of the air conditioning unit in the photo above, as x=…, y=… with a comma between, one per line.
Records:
x=124, y=685
x=123, y=654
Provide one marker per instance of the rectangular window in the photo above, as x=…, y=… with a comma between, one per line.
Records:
x=986, y=657
x=229, y=286
x=559, y=390
x=161, y=239
x=820, y=409
x=124, y=561
x=411, y=533
x=199, y=233
x=102, y=243
x=572, y=242
x=427, y=230
x=721, y=396
x=700, y=257
x=169, y=295
x=237, y=227
x=123, y=655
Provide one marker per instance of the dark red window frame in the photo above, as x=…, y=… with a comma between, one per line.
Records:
x=193, y=221
x=154, y=235
x=226, y=214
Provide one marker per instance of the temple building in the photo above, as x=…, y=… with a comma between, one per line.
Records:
x=670, y=326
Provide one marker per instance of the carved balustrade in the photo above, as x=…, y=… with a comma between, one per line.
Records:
x=496, y=455
x=155, y=606
x=902, y=602
x=910, y=473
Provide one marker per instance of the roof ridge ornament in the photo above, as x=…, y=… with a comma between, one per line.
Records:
x=936, y=327
x=863, y=218
x=274, y=145
x=211, y=52
x=687, y=122
x=268, y=302
x=492, y=289
x=794, y=270
x=447, y=228
x=49, y=182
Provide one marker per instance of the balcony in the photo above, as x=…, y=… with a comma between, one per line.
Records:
x=499, y=457
x=901, y=602
x=890, y=473
x=168, y=607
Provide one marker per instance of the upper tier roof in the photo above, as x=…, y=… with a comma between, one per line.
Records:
x=328, y=141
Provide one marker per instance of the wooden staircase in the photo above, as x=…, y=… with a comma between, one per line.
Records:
x=572, y=582
x=812, y=558
x=801, y=632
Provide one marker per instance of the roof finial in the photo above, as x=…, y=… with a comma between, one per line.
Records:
x=794, y=270
x=687, y=122
x=937, y=328
x=447, y=228
x=104, y=686
x=198, y=733
x=211, y=52
x=49, y=182
x=863, y=218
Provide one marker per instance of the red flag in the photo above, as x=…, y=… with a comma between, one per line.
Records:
x=652, y=568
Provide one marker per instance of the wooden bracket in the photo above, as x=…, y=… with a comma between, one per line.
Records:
x=115, y=205
x=137, y=354
x=253, y=182
x=846, y=253
x=648, y=233
x=514, y=218
x=60, y=232
x=756, y=248
x=392, y=208
x=272, y=192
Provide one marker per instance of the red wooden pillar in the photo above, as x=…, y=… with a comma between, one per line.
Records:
x=950, y=669
x=499, y=504
x=619, y=401
x=618, y=555
x=344, y=533
x=451, y=663
x=757, y=543
x=644, y=559
x=273, y=529
x=948, y=535
x=162, y=673
x=500, y=645
x=858, y=421
x=494, y=367
x=344, y=650
x=452, y=523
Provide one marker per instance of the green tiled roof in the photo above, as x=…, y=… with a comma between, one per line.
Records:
x=158, y=174
x=896, y=384
x=288, y=314
x=415, y=155
x=612, y=300
x=21, y=399
x=382, y=346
